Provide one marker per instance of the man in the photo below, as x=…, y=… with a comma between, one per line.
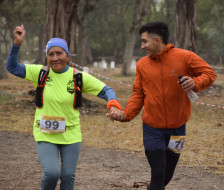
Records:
x=167, y=107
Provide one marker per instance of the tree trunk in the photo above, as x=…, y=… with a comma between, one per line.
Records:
x=138, y=16
x=61, y=21
x=185, y=33
x=89, y=56
x=128, y=54
x=28, y=43
x=89, y=6
x=41, y=56
x=3, y=73
x=221, y=60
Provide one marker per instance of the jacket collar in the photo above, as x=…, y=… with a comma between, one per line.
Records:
x=165, y=50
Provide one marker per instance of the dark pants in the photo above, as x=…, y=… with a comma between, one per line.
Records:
x=163, y=164
x=161, y=160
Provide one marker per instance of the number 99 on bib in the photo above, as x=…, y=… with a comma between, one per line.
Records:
x=52, y=124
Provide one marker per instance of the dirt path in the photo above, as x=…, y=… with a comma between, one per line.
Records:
x=98, y=169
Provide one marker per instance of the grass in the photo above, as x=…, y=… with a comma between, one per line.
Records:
x=5, y=97
x=204, y=140
x=204, y=145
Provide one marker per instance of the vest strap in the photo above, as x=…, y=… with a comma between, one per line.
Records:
x=42, y=79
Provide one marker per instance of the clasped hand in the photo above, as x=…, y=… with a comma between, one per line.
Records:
x=116, y=114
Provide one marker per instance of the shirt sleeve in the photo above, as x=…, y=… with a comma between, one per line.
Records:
x=32, y=73
x=136, y=101
x=12, y=65
x=91, y=85
x=107, y=93
x=204, y=75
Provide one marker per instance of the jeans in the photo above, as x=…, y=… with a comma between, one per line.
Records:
x=48, y=155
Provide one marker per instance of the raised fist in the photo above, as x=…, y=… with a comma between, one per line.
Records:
x=19, y=33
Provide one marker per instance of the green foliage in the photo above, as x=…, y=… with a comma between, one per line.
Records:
x=159, y=11
x=17, y=12
x=210, y=21
x=109, y=24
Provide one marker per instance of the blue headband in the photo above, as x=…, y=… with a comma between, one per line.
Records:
x=57, y=42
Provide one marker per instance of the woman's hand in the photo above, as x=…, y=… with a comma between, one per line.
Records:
x=19, y=33
x=116, y=114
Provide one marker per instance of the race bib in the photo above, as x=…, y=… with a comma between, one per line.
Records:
x=52, y=124
x=176, y=144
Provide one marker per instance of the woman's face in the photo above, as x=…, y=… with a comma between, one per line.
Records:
x=57, y=58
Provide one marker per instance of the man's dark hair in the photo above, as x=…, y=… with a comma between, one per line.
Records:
x=158, y=28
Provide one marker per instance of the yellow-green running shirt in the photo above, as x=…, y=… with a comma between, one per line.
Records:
x=58, y=98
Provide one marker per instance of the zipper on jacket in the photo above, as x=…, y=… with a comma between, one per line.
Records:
x=163, y=94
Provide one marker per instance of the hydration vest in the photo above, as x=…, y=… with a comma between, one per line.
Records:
x=43, y=75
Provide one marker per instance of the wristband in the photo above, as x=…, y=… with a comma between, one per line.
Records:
x=113, y=103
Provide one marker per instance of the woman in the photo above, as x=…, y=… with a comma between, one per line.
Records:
x=56, y=126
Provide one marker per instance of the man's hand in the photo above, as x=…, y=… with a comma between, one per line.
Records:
x=116, y=114
x=19, y=33
x=188, y=83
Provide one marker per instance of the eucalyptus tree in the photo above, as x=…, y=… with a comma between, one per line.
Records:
x=138, y=14
x=185, y=33
x=83, y=56
x=61, y=21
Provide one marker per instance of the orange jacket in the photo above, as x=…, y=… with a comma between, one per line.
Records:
x=156, y=87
